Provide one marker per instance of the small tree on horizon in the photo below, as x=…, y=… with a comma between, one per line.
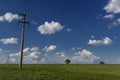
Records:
x=101, y=62
x=67, y=61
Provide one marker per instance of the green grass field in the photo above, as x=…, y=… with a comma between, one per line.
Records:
x=60, y=72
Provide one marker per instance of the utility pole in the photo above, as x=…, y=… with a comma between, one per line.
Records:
x=23, y=22
x=7, y=60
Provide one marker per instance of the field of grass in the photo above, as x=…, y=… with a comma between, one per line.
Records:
x=60, y=72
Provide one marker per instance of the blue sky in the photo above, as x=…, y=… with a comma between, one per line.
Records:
x=85, y=31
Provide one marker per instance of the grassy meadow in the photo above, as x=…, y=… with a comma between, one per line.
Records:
x=60, y=72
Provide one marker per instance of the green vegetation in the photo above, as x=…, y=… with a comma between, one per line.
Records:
x=67, y=61
x=101, y=62
x=60, y=72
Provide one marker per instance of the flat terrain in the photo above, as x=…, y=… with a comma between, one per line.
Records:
x=60, y=72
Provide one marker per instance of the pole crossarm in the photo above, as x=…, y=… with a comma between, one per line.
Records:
x=23, y=22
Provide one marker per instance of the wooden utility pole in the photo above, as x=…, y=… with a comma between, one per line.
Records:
x=23, y=22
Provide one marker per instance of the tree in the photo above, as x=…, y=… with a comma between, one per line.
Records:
x=101, y=62
x=67, y=61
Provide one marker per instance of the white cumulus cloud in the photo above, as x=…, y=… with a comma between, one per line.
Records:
x=2, y=18
x=34, y=49
x=1, y=49
x=33, y=55
x=114, y=23
x=105, y=41
x=50, y=27
x=30, y=56
x=26, y=50
x=62, y=54
x=110, y=16
x=50, y=48
x=113, y=6
x=11, y=40
x=9, y=17
x=12, y=60
x=14, y=54
x=84, y=56
x=112, y=9
x=38, y=57
x=69, y=30
x=73, y=49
